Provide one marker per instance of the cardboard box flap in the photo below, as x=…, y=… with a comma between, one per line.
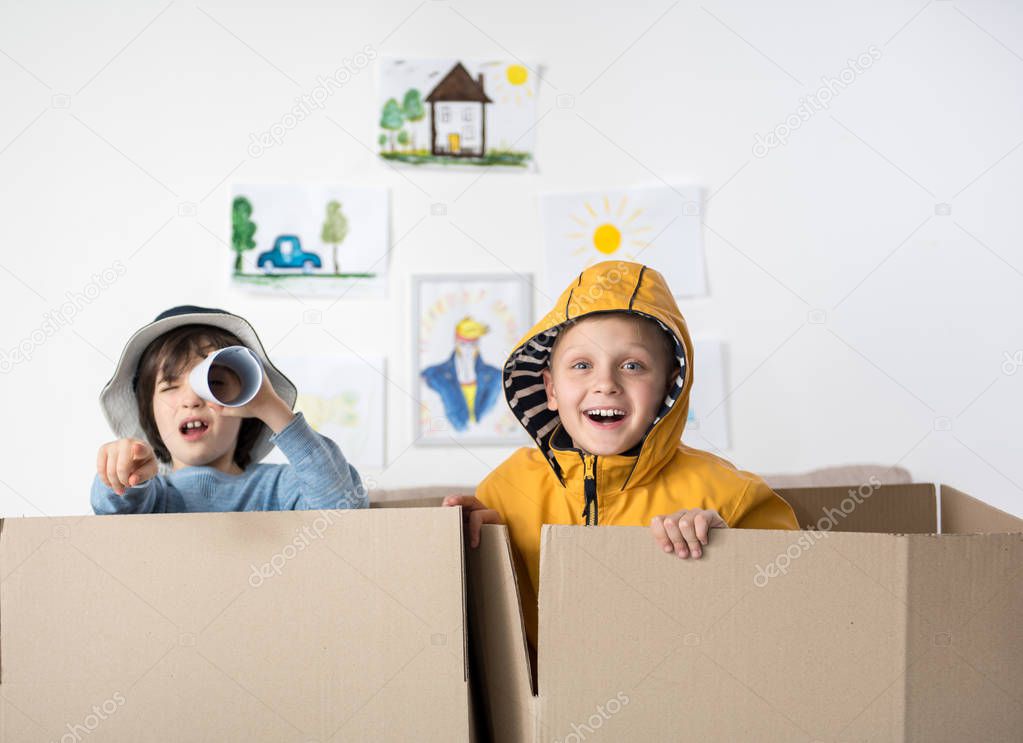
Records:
x=499, y=637
x=965, y=638
x=276, y=627
x=642, y=645
x=869, y=507
x=963, y=514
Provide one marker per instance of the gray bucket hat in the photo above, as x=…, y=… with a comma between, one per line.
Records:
x=118, y=396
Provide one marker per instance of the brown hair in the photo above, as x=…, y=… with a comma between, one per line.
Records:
x=667, y=340
x=166, y=358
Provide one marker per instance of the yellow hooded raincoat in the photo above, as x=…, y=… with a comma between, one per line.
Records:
x=554, y=483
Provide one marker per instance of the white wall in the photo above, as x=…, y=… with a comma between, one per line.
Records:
x=118, y=116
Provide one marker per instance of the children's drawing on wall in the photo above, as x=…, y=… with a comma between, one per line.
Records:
x=659, y=226
x=707, y=425
x=465, y=327
x=317, y=240
x=450, y=112
x=342, y=397
x=468, y=386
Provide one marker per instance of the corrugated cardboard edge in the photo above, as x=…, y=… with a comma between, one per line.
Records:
x=964, y=514
x=465, y=608
x=902, y=553
x=2, y=537
x=500, y=638
x=472, y=721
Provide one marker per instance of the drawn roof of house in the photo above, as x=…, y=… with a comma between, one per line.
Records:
x=458, y=85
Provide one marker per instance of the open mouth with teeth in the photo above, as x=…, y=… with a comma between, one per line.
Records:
x=193, y=429
x=605, y=417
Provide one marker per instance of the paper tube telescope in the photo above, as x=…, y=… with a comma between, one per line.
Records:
x=230, y=377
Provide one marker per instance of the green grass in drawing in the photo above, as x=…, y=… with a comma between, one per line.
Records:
x=270, y=279
x=492, y=157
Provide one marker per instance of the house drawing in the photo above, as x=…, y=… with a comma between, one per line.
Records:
x=458, y=124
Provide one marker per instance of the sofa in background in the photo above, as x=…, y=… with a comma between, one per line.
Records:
x=851, y=474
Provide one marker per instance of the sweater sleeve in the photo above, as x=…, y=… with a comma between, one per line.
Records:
x=762, y=508
x=318, y=476
x=149, y=497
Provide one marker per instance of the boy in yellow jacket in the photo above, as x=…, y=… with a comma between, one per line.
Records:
x=602, y=386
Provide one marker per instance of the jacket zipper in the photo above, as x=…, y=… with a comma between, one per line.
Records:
x=590, y=489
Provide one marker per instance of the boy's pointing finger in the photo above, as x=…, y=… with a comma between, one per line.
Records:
x=101, y=466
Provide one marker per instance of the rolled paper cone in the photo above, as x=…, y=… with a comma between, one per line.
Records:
x=240, y=360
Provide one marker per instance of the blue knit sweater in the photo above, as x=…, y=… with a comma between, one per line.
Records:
x=317, y=477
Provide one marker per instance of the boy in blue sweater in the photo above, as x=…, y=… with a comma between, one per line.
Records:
x=209, y=453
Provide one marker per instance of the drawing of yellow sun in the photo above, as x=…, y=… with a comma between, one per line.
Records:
x=609, y=228
x=512, y=83
x=516, y=74
x=607, y=238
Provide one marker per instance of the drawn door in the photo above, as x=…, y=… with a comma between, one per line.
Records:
x=455, y=142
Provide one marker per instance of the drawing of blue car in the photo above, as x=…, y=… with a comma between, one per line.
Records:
x=287, y=253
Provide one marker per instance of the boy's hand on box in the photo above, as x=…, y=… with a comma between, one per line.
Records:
x=685, y=532
x=475, y=514
x=125, y=463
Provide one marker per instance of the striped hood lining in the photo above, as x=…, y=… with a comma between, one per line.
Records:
x=527, y=397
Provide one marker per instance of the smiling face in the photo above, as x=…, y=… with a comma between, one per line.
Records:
x=194, y=434
x=607, y=379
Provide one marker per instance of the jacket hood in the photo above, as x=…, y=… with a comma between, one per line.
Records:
x=611, y=286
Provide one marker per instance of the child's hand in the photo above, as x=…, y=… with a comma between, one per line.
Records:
x=125, y=463
x=475, y=515
x=267, y=405
x=686, y=531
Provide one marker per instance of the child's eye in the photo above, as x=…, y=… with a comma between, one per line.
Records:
x=632, y=366
x=580, y=365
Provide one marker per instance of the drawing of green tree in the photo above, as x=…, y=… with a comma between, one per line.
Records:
x=413, y=110
x=403, y=138
x=392, y=119
x=242, y=229
x=335, y=229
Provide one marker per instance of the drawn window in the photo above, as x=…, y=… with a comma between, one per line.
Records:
x=445, y=113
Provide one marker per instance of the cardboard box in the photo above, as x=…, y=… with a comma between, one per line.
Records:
x=277, y=627
x=871, y=627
